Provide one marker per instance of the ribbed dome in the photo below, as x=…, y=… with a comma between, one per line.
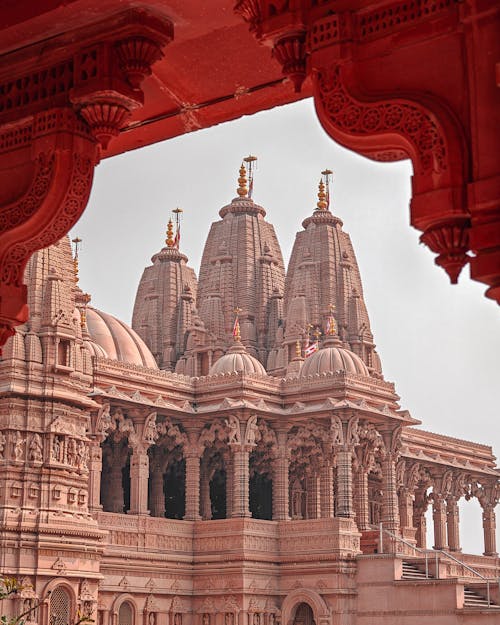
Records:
x=332, y=358
x=237, y=359
x=118, y=340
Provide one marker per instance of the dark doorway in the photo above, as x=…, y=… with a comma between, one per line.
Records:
x=261, y=497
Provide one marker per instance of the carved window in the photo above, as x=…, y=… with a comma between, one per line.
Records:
x=63, y=353
x=125, y=615
x=60, y=606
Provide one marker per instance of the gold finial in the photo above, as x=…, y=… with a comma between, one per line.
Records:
x=236, y=326
x=77, y=242
x=330, y=324
x=298, y=349
x=317, y=333
x=242, y=190
x=177, y=239
x=322, y=204
x=170, y=234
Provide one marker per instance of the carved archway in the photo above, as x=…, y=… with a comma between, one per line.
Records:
x=320, y=610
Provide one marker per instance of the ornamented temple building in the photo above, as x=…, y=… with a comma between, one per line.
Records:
x=198, y=469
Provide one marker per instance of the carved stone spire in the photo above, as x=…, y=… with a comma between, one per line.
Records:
x=163, y=303
x=242, y=263
x=323, y=273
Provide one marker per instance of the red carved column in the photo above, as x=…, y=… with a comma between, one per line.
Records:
x=361, y=503
x=205, y=502
x=406, y=499
x=229, y=486
x=326, y=487
x=390, y=507
x=95, y=470
x=139, y=476
x=345, y=506
x=280, y=480
x=157, y=494
x=439, y=520
x=419, y=509
x=53, y=121
x=313, y=504
x=489, y=529
x=453, y=523
x=241, y=454
x=192, y=455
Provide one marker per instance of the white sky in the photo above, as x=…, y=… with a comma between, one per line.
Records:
x=439, y=343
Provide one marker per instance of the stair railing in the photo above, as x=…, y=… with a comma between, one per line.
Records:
x=437, y=553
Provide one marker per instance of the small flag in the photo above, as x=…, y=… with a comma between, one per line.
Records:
x=250, y=188
x=177, y=238
x=309, y=351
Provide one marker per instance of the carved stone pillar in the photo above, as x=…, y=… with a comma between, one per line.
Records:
x=157, y=494
x=345, y=507
x=313, y=497
x=453, y=524
x=229, y=487
x=419, y=510
x=326, y=487
x=241, y=455
x=390, y=510
x=406, y=499
x=139, y=475
x=193, y=484
x=205, y=503
x=439, y=519
x=280, y=480
x=114, y=500
x=95, y=470
x=489, y=529
x=361, y=502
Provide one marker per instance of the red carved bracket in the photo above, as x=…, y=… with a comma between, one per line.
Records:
x=391, y=128
x=62, y=155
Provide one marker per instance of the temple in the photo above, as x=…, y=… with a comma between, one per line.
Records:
x=236, y=457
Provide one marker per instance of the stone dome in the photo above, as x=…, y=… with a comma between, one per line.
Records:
x=237, y=359
x=331, y=358
x=117, y=340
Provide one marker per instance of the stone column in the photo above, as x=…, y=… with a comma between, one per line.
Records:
x=157, y=494
x=361, y=503
x=489, y=529
x=326, y=487
x=114, y=498
x=453, y=524
x=229, y=487
x=205, y=503
x=313, y=497
x=241, y=455
x=192, y=455
x=139, y=475
x=95, y=470
x=406, y=499
x=345, y=506
x=280, y=480
x=390, y=509
x=439, y=519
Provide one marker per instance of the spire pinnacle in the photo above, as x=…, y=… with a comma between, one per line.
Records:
x=321, y=204
x=177, y=239
x=170, y=234
x=76, y=242
x=331, y=329
x=327, y=175
x=242, y=190
x=236, y=326
x=250, y=166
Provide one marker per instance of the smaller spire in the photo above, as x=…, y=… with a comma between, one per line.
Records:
x=327, y=175
x=321, y=204
x=236, y=326
x=170, y=234
x=331, y=329
x=242, y=190
x=77, y=242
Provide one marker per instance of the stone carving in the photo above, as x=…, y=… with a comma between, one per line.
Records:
x=36, y=449
x=336, y=430
x=233, y=425
x=56, y=449
x=3, y=442
x=18, y=446
x=251, y=431
x=150, y=433
x=71, y=454
x=353, y=431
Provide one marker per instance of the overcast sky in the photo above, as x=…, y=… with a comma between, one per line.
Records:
x=439, y=343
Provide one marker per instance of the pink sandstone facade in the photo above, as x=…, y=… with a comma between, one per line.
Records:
x=172, y=475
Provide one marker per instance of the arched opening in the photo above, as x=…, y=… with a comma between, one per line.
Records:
x=303, y=615
x=174, y=488
x=126, y=614
x=261, y=496
x=60, y=607
x=115, y=475
x=218, y=494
